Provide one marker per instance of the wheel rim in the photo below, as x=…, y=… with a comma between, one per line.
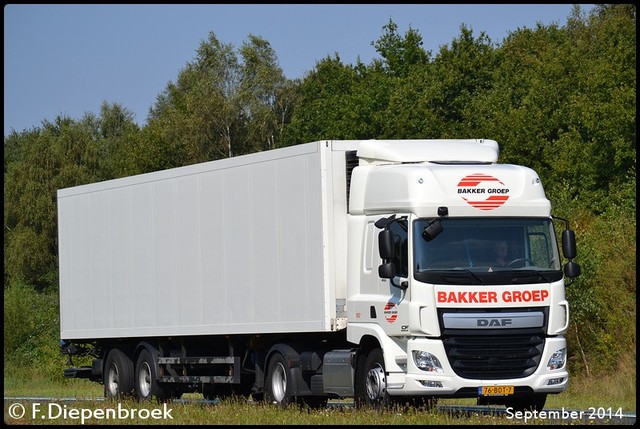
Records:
x=113, y=380
x=144, y=380
x=376, y=383
x=279, y=382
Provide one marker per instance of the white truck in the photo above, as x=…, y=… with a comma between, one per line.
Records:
x=331, y=269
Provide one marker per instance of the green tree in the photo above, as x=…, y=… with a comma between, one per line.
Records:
x=337, y=101
x=396, y=86
x=400, y=54
x=459, y=74
x=220, y=106
x=265, y=95
x=323, y=109
x=563, y=100
x=62, y=154
x=197, y=118
x=118, y=135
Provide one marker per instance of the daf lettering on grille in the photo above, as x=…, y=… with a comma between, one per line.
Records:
x=494, y=322
x=504, y=320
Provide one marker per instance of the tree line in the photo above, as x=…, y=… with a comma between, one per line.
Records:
x=560, y=99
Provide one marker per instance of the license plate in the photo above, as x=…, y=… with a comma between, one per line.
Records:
x=495, y=390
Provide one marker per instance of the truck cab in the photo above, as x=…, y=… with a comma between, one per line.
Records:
x=425, y=285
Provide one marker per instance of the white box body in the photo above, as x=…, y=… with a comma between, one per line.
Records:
x=251, y=244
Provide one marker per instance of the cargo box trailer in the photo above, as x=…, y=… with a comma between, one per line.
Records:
x=333, y=269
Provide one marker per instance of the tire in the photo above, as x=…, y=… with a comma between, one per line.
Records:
x=371, y=381
x=146, y=379
x=118, y=375
x=278, y=386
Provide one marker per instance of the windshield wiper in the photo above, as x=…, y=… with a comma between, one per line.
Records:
x=449, y=274
x=520, y=275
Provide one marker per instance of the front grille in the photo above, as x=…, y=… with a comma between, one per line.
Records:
x=493, y=357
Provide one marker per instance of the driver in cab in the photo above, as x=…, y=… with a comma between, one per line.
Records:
x=500, y=250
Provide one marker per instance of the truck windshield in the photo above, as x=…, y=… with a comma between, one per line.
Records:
x=487, y=250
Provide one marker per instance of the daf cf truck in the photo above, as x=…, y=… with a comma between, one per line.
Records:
x=356, y=269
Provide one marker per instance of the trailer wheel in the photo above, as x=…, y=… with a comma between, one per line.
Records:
x=146, y=382
x=118, y=375
x=371, y=381
x=278, y=385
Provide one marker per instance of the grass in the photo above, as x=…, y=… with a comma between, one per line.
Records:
x=616, y=392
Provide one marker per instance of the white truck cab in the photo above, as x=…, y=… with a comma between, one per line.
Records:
x=424, y=284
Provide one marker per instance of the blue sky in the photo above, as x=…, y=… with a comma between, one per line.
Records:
x=68, y=59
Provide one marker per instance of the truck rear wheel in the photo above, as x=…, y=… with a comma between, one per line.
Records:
x=278, y=384
x=118, y=375
x=146, y=381
x=371, y=381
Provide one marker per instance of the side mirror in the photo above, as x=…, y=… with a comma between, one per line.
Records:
x=387, y=270
x=569, y=244
x=385, y=244
x=432, y=230
x=571, y=269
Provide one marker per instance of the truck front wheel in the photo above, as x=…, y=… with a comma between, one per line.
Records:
x=278, y=384
x=371, y=381
x=118, y=375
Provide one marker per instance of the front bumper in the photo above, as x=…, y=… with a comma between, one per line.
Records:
x=447, y=383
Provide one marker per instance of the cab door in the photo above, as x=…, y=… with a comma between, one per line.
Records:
x=394, y=292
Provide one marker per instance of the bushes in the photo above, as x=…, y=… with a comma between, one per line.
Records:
x=31, y=330
x=603, y=299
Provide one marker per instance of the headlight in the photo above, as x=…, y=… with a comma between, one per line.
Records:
x=557, y=359
x=426, y=361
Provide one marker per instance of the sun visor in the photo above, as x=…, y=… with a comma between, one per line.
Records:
x=436, y=151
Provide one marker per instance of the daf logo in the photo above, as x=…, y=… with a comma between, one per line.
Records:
x=493, y=322
x=534, y=319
